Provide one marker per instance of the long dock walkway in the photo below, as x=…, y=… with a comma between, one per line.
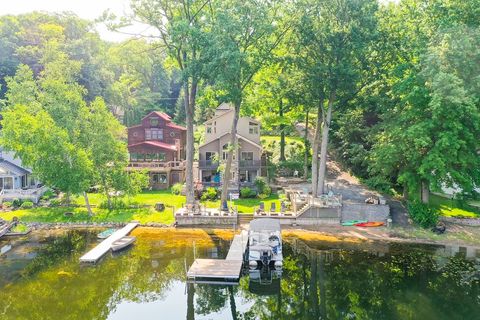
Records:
x=219, y=270
x=99, y=251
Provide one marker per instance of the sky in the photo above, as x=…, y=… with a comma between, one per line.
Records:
x=87, y=9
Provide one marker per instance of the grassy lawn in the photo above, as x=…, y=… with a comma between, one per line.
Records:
x=143, y=214
x=451, y=207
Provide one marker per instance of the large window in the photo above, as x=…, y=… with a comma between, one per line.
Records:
x=154, y=134
x=247, y=156
x=154, y=122
x=210, y=156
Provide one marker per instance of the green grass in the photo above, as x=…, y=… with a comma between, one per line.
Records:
x=142, y=214
x=452, y=208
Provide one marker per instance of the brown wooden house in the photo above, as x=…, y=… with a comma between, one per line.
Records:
x=158, y=145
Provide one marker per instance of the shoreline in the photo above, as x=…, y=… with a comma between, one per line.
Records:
x=320, y=233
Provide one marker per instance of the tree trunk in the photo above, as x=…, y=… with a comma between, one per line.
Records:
x=282, y=132
x=233, y=305
x=107, y=194
x=405, y=191
x=189, y=100
x=228, y=165
x=306, y=143
x=87, y=204
x=316, y=143
x=425, y=192
x=190, y=300
x=322, y=171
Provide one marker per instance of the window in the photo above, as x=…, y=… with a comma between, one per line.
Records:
x=209, y=129
x=253, y=128
x=248, y=156
x=153, y=134
x=154, y=122
x=209, y=156
x=158, y=178
x=135, y=134
x=172, y=134
x=225, y=155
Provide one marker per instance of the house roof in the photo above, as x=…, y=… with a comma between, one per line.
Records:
x=225, y=106
x=156, y=144
x=176, y=126
x=238, y=136
x=162, y=115
x=7, y=166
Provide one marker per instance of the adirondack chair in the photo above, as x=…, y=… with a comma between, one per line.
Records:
x=273, y=209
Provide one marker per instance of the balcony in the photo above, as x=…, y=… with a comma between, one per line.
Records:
x=208, y=164
x=250, y=164
x=157, y=164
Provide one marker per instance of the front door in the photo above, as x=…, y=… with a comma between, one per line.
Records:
x=175, y=177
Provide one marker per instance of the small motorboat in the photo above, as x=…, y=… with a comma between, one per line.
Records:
x=353, y=222
x=265, y=243
x=105, y=234
x=122, y=243
x=370, y=224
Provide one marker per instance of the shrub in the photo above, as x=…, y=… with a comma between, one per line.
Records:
x=27, y=205
x=116, y=204
x=422, y=214
x=287, y=168
x=262, y=187
x=55, y=202
x=48, y=195
x=209, y=194
x=7, y=204
x=16, y=203
x=246, y=192
x=380, y=184
x=177, y=189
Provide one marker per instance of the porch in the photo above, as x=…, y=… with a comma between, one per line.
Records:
x=29, y=194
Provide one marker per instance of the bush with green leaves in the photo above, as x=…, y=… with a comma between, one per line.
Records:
x=49, y=194
x=288, y=168
x=7, y=204
x=209, y=194
x=27, y=205
x=264, y=190
x=177, y=189
x=55, y=202
x=116, y=203
x=17, y=203
x=422, y=214
x=246, y=192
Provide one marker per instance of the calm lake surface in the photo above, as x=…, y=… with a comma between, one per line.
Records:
x=40, y=278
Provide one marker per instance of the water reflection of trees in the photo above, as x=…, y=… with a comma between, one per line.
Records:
x=349, y=284
x=317, y=283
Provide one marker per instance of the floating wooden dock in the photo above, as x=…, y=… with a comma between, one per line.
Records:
x=99, y=251
x=225, y=271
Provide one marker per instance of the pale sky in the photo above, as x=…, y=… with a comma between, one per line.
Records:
x=87, y=9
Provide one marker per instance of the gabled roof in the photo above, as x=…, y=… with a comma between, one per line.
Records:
x=162, y=115
x=238, y=137
x=7, y=166
x=176, y=126
x=156, y=144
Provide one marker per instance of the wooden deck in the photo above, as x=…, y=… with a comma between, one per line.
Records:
x=238, y=246
x=99, y=251
x=215, y=269
x=225, y=271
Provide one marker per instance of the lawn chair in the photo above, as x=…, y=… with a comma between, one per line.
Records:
x=283, y=208
x=273, y=209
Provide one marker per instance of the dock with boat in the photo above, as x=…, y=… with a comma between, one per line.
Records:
x=224, y=271
x=100, y=250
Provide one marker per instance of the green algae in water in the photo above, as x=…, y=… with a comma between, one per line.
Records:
x=42, y=279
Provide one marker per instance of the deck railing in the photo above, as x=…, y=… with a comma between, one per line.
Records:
x=159, y=164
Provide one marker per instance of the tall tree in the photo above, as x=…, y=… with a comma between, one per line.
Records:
x=243, y=36
x=180, y=27
x=334, y=38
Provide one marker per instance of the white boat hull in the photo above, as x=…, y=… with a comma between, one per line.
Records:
x=122, y=243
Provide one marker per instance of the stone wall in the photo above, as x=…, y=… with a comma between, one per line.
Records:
x=206, y=220
x=363, y=211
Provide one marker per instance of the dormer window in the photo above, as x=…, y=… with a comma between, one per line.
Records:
x=153, y=134
x=253, y=128
x=209, y=129
x=154, y=122
x=212, y=128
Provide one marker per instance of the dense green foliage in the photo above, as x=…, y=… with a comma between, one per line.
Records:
x=422, y=214
x=391, y=88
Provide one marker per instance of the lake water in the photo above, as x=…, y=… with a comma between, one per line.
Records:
x=322, y=278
